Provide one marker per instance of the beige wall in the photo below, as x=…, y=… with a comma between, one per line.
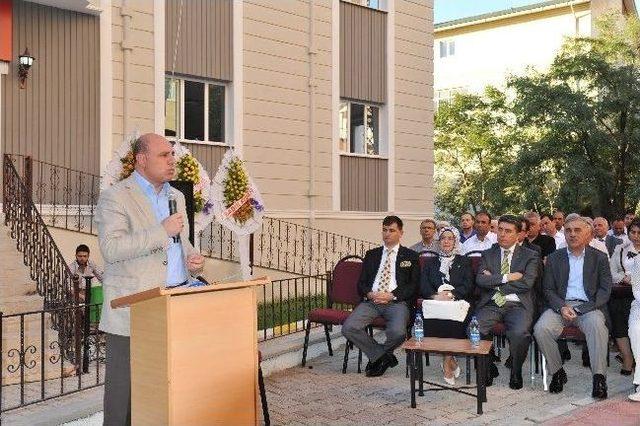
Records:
x=277, y=102
x=413, y=148
x=140, y=77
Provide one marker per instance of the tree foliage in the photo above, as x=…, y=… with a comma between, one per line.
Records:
x=567, y=137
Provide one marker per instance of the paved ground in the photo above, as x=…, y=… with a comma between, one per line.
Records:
x=322, y=395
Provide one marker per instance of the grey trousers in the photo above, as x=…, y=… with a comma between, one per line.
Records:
x=592, y=324
x=354, y=328
x=117, y=382
x=517, y=321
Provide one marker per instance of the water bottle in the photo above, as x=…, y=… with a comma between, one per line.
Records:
x=474, y=332
x=418, y=327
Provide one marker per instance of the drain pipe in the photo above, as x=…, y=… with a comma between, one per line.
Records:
x=125, y=45
x=312, y=106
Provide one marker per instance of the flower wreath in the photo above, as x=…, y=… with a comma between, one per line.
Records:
x=188, y=168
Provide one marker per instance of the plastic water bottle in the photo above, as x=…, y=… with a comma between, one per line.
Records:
x=418, y=327
x=474, y=332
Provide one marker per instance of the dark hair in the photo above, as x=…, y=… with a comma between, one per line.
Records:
x=390, y=220
x=513, y=220
x=617, y=219
x=484, y=213
x=559, y=211
x=82, y=248
x=633, y=212
x=635, y=223
x=467, y=213
x=525, y=224
x=140, y=146
x=543, y=215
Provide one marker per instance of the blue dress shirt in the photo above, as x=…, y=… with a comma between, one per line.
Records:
x=575, y=285
x=176, y=269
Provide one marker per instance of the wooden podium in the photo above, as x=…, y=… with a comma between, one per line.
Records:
x=194, y=354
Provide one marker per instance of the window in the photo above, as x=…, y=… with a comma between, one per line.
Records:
x=359, y=128
x=373, y=4
x=445, y=96
x=194, y=110
x=447, y=48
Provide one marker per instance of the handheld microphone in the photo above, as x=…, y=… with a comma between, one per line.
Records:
x=173, y=208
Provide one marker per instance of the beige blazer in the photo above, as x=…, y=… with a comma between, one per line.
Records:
x=133, y=245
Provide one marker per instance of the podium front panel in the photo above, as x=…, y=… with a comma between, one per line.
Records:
x=213, y=349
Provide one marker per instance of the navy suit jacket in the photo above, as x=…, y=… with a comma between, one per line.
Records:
x=407, y=273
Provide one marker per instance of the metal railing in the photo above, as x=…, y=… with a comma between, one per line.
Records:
x=47, y=266
x=37, y=364
x=66, y=199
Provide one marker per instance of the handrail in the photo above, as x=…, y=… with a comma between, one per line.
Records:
x=66, y=198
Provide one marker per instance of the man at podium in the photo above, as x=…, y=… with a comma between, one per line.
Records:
x=143, y=246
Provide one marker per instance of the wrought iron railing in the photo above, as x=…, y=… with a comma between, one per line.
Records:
x=66, y=199
x=47, y=266
x=285, y=246
x=37, y=364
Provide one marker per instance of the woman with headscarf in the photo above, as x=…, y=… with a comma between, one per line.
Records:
x=447, y=277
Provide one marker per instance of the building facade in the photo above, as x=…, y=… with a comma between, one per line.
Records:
x=478, y=51
x=328, y=102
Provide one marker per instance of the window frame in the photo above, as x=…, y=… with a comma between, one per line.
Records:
x=180, y=95
x=449, y=45
x=382, y=146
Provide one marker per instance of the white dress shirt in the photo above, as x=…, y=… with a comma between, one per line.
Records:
x=393, y=253
x=561, y=241
x=509, y=297
x=473, y=243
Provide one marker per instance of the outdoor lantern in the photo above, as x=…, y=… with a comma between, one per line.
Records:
x=24, y=63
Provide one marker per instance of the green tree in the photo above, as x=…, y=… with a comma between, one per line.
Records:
x=473, y=151
x=583, y=115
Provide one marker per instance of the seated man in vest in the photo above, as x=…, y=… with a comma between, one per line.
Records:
x=388, y=285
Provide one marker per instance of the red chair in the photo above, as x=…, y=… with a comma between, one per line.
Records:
x=342, y=290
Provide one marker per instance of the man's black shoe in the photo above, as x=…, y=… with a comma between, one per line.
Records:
x=393, y=360
x=492, y=373
x=372, y=366
x=557, y=381
x=599, y=387
x=381, y=365
x=566, y=355
x=368, y=367
x=515, y=382
x=509, y=362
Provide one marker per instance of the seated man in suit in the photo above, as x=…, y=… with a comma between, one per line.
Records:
x=506, y=277
x=388, y=285
x=577, y=285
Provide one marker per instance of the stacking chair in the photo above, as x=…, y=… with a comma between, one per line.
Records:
x=263, y=392
x=342, y=297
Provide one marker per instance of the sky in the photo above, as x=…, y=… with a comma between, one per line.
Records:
x=446, y=10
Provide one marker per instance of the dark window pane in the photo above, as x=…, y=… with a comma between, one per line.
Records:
x=216, y=113
x=357, y=128
x=193, y=110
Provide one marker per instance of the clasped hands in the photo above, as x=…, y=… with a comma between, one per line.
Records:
x=380, y=297
x=513, y=276
x=568, y=313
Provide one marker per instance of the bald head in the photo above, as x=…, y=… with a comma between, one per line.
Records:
x=154, y=158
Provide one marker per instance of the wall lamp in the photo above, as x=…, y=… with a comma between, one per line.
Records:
x=24, y=64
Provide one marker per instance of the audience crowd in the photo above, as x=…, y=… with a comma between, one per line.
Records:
x=532, y=275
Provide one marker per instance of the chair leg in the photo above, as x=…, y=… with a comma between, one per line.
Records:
x=359, y=360
x=346, y=357
x=426, y=359
x=406, y=370
x=468, y=370
x=544, y=374
x=536, y=351
x=531, y=362
x=306, y=343
x=328, y=337
x=263, y=398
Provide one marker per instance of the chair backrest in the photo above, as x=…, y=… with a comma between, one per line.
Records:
x=424, y=255
x=476, y=257
x=344, y=281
